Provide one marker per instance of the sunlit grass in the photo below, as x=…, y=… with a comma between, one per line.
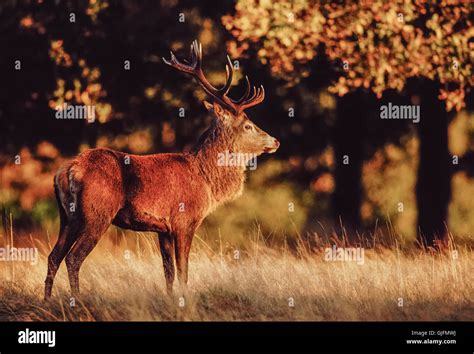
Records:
x=126, y=282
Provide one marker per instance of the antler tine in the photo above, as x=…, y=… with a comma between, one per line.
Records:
x=172, y=59
x=229, y=70
x=250, y=98
x=189, y=69
x=260, y=96
x=257, y=97
x=254, y=95
x=193, y=58
x=198, y=52
x=246, y=94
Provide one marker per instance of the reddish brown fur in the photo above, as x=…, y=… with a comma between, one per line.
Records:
x=169, y=194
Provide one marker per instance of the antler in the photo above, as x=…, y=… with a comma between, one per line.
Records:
x=193, y=68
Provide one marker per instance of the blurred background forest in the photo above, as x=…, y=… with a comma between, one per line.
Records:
x=327, y=68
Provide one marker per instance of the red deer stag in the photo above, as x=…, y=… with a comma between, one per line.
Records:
x=168, y=193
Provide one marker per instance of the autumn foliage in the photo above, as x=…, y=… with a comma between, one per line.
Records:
x=376, y=44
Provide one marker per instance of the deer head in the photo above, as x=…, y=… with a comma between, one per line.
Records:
x=242, y=135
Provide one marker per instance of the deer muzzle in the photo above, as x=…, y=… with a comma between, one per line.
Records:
x=273, y=146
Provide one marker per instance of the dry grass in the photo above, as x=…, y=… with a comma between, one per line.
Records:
x=257, y=286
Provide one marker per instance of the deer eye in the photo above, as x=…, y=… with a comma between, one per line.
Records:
x=248, y=127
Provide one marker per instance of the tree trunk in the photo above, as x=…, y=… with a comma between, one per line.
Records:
x=349, y=134
x=433, y=189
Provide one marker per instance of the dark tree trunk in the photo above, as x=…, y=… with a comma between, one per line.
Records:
x=349, y=132
x=433, y=189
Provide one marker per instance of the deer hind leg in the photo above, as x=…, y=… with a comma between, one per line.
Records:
x=167, y=254
x=62, y=247
x=88, y=236
x=57, y=255
x=63, y=244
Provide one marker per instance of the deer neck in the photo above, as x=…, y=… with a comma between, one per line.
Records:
x=225, y=178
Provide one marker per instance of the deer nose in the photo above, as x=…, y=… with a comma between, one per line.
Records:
x=276, y=143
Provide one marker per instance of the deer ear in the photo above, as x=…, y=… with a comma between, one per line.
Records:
x=208, y=105
x=218, y=110
x=215, y=108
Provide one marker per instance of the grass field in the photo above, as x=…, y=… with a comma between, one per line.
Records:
x=126, y=282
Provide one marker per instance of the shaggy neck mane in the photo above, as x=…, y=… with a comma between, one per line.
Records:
x=226, y=181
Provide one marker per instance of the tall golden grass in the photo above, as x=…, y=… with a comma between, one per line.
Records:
x=126, y=282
